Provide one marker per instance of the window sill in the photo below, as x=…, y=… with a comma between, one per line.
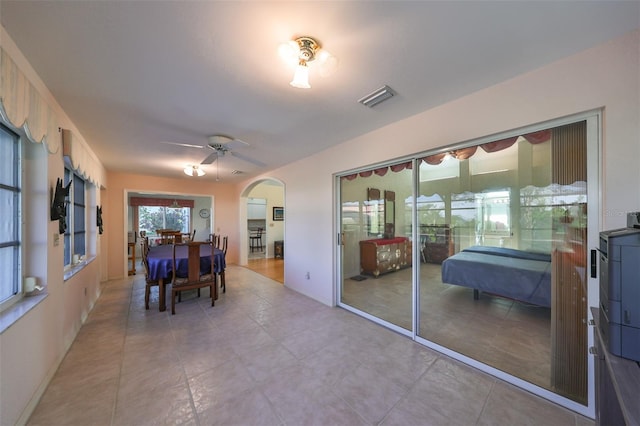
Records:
x=19, y=309
x=74, y=269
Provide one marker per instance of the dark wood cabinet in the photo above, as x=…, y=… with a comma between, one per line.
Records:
x=384, y=255
x=436, y=243
x=278, y=249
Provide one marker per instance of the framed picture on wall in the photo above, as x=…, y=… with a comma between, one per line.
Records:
x=278, y=213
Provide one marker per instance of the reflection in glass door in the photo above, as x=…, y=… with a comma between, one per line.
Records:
x=500, y=264
x=503, y=250
x=376, y=244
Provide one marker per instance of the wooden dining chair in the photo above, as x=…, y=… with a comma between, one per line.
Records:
x=148, y=281
x=225, y=242
x=166, y=238
x=195, y=278
x=144, y=247
x=223, y=284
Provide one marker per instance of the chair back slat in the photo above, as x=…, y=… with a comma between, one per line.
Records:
x=194, y=262
x=225, y=242
x=196, y=277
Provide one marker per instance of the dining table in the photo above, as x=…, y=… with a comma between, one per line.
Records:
x=160, y=260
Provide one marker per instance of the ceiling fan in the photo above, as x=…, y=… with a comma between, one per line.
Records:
x=221, y=145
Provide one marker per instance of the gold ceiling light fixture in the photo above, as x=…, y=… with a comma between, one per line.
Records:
x=300, y=52
x=193, y=170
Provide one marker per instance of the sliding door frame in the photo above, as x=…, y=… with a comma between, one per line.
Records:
x=593, y=120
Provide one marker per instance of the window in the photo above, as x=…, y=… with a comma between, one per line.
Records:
x=431, y=210
x=151, y=218
x=10, y=202
x=542, y=209
x=493, y=217
x=76, y=234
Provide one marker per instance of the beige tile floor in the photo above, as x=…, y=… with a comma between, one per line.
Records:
x=510, y=336
x=266, y=355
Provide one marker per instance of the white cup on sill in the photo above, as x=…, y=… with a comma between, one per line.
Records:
x=29, y=284
x=76, y=259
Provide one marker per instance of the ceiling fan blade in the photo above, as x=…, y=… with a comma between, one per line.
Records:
x=188, y=145
x=236, y=143
x=248, y=159
x=210, y=158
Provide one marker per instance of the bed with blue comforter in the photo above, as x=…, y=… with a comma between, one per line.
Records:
x=515, y=274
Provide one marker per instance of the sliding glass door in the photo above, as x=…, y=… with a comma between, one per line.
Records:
x=377, y=245
x=486, y=257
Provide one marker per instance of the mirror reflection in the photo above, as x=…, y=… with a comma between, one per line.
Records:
x=501, y=241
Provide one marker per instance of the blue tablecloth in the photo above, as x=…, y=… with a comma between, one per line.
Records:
x=161, y=261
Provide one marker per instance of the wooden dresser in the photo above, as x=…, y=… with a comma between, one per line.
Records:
x=436, y=242
x=382, y=255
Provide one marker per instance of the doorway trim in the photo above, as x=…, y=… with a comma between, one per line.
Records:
x=127, y=219
x=243, y=255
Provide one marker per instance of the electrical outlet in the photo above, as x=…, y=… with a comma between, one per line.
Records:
x=56, y=239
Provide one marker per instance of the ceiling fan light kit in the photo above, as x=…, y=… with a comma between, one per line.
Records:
x=194, y=170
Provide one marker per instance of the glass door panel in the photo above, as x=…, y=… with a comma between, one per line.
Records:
x=502, y=240
x=376, y=273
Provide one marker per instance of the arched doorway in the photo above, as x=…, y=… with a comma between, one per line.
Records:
x=262, y=207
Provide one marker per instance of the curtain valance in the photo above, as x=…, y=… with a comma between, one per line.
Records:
x=160, y=202
x=533, y=138
x=460, y=154
x=381, y=171
x=81, y=157
x=24, y=108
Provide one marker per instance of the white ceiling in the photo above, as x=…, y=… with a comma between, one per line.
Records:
x=134, y=74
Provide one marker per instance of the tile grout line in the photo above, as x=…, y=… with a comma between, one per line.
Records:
x=124, y=339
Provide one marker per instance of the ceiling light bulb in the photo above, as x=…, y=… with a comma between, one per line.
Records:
x=328, y=64
x=191, y=170
x=301, y=76
x=289, y=52
x=322, y=55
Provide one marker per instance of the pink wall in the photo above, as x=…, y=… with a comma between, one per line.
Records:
x=225, y=212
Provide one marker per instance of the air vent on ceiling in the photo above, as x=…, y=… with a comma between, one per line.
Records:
x=374, y=98
x=236, y=172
